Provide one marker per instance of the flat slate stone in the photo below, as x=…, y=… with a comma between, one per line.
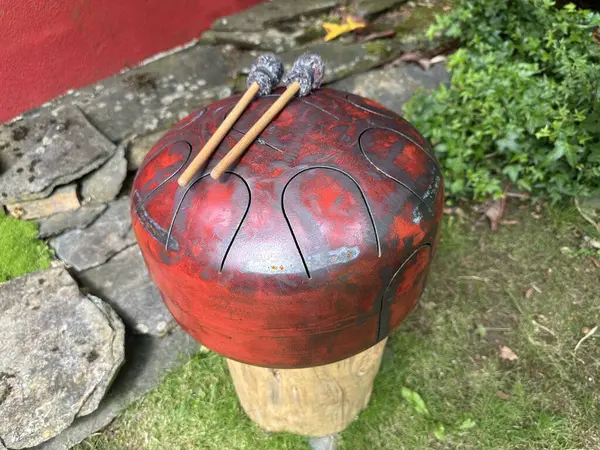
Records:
x=63, y=199
x=80, y=218
x=323, y=443
x=147, y=361
x=38, y=154
x=370, y=8
x=267, y=14
x=125, y=284
x=268, y=39
x=59, y=352
x=139, y=147
x=159, y=93
x=105, y=183
x=106, y=236
x=393, y=86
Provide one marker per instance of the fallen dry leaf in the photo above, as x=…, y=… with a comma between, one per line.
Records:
x=584, y=338
x=585, y=330
x=503, y=395
x=595, y=262
x=529, y=293
x=378, y=35
x=438, y=59
x=595, y=243
x=410, y=56
x=494, y=213
x=420, y=58
x=519, y=195
x=508, y=354
x=454, y=211
x=427, y=63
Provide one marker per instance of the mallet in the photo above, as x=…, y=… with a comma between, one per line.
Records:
x=307, y=73
x=265, y=74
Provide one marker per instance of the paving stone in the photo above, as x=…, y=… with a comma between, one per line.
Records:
x=370, y=8
x=147, y=361
x=104, y=184
x=267, y=14
x=139, y=148
x=80, y=218
x=109, y=234
x=269, y=39
x=59, y=352
x=52, y=149
x=124, y=283
x=159, y=93
x=63, y=199
x=393, y=86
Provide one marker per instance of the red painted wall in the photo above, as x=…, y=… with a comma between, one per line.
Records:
x=50, y=46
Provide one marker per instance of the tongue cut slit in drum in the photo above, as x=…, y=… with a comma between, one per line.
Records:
x=299, y=263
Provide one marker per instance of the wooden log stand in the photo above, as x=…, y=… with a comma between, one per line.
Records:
x=315, y=401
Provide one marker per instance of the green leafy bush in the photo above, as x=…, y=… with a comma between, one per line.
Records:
x=523, y=105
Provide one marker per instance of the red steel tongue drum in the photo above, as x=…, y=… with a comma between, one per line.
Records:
x=306, y=249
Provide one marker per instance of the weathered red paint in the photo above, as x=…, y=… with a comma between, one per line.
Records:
x=313, y=248
x=49, y=47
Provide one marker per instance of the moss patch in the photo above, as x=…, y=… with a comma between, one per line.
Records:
x=20, y=250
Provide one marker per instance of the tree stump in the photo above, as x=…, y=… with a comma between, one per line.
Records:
x=315, y=401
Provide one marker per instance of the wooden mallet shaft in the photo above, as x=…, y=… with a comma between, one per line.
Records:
x=265, y=74
x=216, y=138
x=256, y=129
x=307, y=73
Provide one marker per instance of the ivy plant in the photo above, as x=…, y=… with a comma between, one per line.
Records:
x=523, y=104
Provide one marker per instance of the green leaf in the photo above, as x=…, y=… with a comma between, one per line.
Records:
x=509, y=142
x=457, y=186
x=415, y=400
x=560, y=148
x=512, y=171
x=467, y=424
x=440, y=432
x=481, y=331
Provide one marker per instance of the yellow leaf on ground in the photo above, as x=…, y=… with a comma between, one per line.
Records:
x=335, y=30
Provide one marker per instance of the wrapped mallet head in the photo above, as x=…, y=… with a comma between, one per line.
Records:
x=306, y=74
x=265, y=74
x=266, y=71
x=308, y=71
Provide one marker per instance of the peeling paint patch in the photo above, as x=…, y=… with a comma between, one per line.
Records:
x=417, y=216
x=341, y=255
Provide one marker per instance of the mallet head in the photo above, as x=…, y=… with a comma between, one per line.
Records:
x=266, y=71
x=308, y=70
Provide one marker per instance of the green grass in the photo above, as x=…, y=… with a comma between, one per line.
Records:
x=447, y=352
x=20, y=251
